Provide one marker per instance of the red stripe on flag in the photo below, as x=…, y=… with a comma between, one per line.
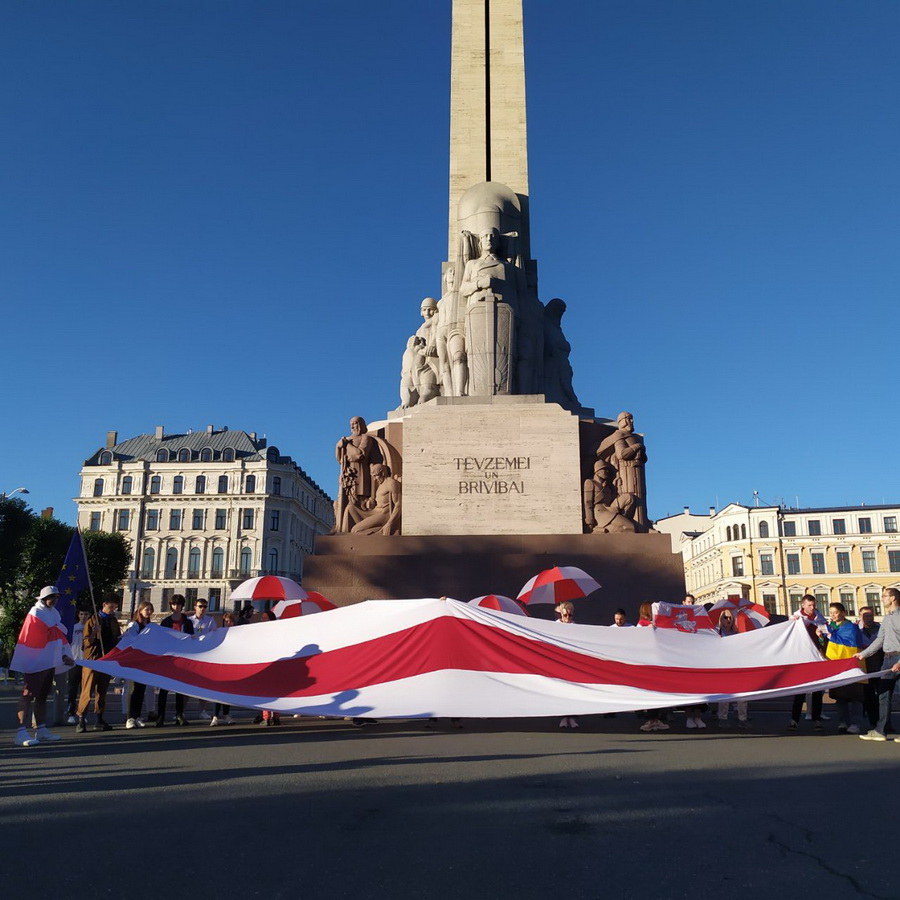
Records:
x=448, y=643
x=36, y=634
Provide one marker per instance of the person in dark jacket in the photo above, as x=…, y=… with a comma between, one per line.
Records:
x=101, y=634
x=178, y=621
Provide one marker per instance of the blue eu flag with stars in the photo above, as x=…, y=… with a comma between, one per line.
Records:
x=73, y=578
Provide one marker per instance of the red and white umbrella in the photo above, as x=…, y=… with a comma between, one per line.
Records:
x=558, y=584
x=499, y=603
x=269, y=587
x=290, y=609
x=747, y=614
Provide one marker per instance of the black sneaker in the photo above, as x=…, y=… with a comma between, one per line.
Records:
x=102, y=726
x=794, y=725
x=160, y=721
x=819, y=725
x=81, y=727
x=181, y=720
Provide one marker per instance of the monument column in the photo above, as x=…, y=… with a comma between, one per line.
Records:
x=487, y=103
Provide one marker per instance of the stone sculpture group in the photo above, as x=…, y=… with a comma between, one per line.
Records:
x=489, y=333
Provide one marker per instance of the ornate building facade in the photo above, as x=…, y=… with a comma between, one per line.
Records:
x=774, y=555
x=204, y=511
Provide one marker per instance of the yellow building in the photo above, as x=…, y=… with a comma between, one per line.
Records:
x=773, y=555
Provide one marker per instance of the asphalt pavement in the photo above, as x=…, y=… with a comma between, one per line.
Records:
x=499, y=809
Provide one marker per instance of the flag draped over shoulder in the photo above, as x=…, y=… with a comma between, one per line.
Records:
x=42, y=642
x=73, y=578
x=415, y=658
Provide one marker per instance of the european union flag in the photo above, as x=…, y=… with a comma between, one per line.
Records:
x=73, y=578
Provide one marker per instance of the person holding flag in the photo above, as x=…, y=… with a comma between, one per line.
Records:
x=41, y=651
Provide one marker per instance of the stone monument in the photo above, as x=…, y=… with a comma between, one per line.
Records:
x=501, y=470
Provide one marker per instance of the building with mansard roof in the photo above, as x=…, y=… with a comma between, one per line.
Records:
x=774, y=555
x=203, y=510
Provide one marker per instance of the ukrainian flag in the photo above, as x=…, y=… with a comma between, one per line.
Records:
x=844, y=640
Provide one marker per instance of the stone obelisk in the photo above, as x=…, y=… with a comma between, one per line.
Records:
x=487, y=103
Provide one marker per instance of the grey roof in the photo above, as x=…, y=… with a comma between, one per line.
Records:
x=145, y=447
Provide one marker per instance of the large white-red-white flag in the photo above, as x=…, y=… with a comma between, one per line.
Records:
x=42, y=642
x=416, y=658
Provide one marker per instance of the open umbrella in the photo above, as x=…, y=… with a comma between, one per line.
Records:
x=290, y=609
x=499, y=603
x=269, y=587
x=747, y=614
x=558, y=584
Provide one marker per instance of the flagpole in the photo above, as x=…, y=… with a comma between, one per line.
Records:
x=87, y=572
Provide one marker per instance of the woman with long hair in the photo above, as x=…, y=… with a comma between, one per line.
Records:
x=142, y=617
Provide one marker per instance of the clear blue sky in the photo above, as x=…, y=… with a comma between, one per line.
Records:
x=228, y=212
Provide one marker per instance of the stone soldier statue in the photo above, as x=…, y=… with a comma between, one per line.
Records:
x=492, y=287
x=354, y=454
x=626, y=451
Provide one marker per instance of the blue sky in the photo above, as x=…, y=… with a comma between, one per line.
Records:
x=228, y=213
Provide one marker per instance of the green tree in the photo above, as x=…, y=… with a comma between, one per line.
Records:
x=16, y=522
x=32, y=551
x=109, y=559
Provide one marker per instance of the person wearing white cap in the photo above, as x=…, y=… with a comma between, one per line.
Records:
x=42, y=650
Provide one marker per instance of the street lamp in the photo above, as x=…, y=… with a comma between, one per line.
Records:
x=19, y=490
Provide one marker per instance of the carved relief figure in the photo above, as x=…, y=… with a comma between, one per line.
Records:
x=420, y=367
x=451, y=339
x=626, y=451
x=492, y=287
x=604, y=511
x=354, y=454
x=381, y=513
x=557, y=368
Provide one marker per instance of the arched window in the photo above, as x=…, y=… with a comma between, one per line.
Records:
x=194, y=562
x=763, y=529
x=272, y=454
x=250, y=484
x=728, y=533
x=228, y=455
x=206, y=455
x=178, y=485
x=246, y=560
x=127, y=484
x=162, y=455
x=223, y=484
x=184, y=455
x=155, y=484
x=276, y=485
x=743, y=533
x=105, y=458
x=200, y=484
x=98, y=487
x=148, y=563
x=273, y=560
x=171, y=562
x=218, y=562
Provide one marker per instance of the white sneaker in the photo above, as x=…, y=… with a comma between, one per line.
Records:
x=24, y=739
x=228, y=720
x=44, y=734
x=140, y=723
x=214, y=720
x=691, y=722
x=661, y=726
x=131, y=723
x=205, y=715
x=72, y=720
x=573, y=723
x=699, y=722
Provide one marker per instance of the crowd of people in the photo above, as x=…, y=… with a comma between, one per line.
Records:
x=876, y=645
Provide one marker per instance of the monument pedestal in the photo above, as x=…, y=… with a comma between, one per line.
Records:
x=489, y=466
x=631, y=568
